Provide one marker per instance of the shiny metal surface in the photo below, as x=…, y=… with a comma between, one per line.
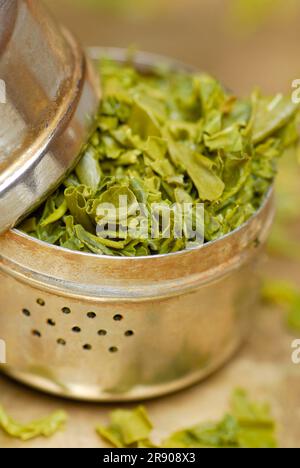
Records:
x=51, y=98
x=113, y=329
x=117, y=329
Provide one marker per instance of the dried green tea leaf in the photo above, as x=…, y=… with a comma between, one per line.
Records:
x=249, y=413
x=29, y=225
x=248, y=425
x=76, y=199
x=127, y=428
x=220, y=435
x=279, y=292
x=144, y=119
x=57, y=214
x=146, y=444
x=293, y=315
x=45, y=427
x=230, y=139
x=96, y=244
x=256, y=425
x=88, y=169
x=51, y=232
x=200, y=169
x=257, y=438
x=286, y=295
x=272, y=115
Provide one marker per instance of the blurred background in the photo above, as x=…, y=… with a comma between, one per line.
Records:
x=242, y=42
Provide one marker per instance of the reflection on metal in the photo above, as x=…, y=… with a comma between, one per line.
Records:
x=51, y=99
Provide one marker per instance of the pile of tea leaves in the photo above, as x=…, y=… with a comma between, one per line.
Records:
x=169, y=137
x=286, y=295
x=45, y=427
x=248, y=424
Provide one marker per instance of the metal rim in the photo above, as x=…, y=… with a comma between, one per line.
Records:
x=106, y=278
x=207, y=245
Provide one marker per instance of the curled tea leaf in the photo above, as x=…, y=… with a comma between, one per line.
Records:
x=45, y=427
x=127, y=428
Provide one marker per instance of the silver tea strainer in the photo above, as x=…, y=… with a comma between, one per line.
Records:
x=92, y=327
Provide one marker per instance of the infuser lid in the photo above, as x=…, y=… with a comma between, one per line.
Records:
x=48, y=97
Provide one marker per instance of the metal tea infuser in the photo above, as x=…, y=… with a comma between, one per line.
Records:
x=91, y=327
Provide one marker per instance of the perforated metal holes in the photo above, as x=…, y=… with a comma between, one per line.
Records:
x=38, y=317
